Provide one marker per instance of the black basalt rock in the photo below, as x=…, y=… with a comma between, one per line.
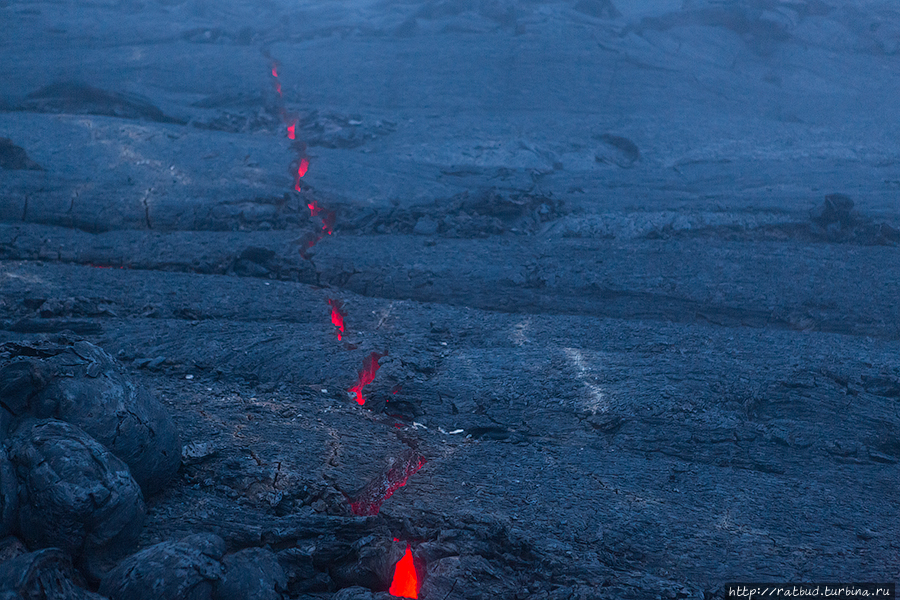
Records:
x=43, y=575
x=187, y=569
x=81, y=384
x=251, y=573
x=74, y=495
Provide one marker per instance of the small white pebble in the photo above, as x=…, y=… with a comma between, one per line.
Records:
x=324, y=391
x=443, y=343
x=188, y=376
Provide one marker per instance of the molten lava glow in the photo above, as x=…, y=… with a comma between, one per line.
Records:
x=302, y=167
x=291, y=134
x=328, y=217
x=367, y=376
x=337, y=317
x=309, y=240
x=274, y=70
x=278, y=88
x=368, y=502
x=405, y=582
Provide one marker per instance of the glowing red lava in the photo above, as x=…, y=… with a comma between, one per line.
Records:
x=306, y=242
x=337, y=316
x=278, y=88
x=405, y=583
x=291, y=134
x=328, y=217
x=274, y=70
x=366, y=376
x=302, y=167
x=369, y=500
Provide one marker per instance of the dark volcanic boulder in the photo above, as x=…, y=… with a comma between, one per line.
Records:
x=13, y=157
x=74, y=494
x=188, y=569
x=81, y=384
x=9, y=495
x=370, y=565
x=20, y=382
x=835, y=211
x=251, y=573
x=42, y=575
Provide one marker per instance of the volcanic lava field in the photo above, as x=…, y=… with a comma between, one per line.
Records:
x=540, y=299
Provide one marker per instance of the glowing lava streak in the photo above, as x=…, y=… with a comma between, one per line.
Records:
x=328, y=217
x=291, y=134
x=302, y=167
x=366, y=376
x=405, y=582
x=369, y=500
x=337, y=317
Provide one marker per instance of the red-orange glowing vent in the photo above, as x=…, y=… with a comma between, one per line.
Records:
x=292, y=132
x=302, y=167
x=405, y=583
x=337, y=316
x=328, y=216
x=366, y=376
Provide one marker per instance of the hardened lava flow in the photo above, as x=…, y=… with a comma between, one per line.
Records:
x=367, y=501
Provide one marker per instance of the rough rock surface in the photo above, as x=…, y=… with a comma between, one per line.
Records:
x=187, y=569
x=251, y=573
x=630, y=266
x=81, y=384
x=74, y=495
x=43, y=575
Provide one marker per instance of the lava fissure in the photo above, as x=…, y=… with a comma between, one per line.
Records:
x=368, y=501
x=405, y=583
x=300, y=165
x=328, y=216
x=367, y=375
x=337, y=316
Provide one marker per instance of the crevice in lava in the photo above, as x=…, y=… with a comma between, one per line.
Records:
x=300, y=165
x=337, y=315
x=405, y=583
x=147, y=209
x=368, y=500
x=367, y=375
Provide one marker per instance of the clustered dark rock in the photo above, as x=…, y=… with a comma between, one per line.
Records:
x=82, y=447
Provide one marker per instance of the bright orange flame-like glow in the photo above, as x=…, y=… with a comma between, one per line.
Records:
x=291, y=134
x=337, y=316
x=405, y=583
x=274, y=71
